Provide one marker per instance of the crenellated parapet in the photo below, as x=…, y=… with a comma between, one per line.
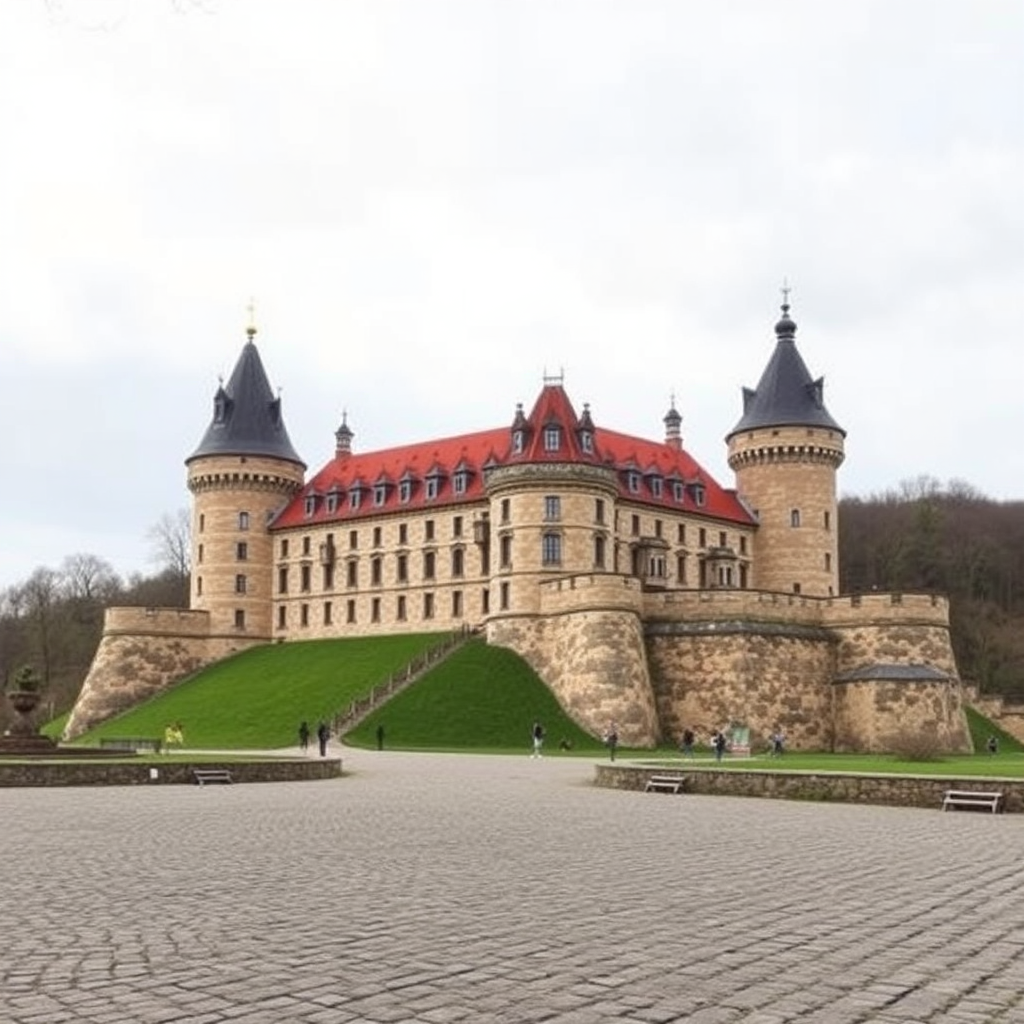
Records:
x=591, y=592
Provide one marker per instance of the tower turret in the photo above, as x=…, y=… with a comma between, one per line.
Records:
x=243, y=471
x=785, y=451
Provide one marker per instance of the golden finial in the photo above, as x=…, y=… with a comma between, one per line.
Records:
x=251, y=329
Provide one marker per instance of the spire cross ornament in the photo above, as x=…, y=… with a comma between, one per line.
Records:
x=785, y=289
x=251, y=329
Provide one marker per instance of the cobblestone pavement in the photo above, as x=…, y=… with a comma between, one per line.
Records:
x=436, y=889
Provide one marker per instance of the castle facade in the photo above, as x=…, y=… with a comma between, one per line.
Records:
x=640, y=589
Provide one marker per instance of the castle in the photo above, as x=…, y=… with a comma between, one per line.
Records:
x=640, y=589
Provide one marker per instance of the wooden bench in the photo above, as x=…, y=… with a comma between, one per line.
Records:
x=665, y=784
x=117, y=743
x=205, y=775
x=972, y=799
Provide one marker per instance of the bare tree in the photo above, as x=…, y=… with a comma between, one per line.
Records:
x=171, y=541
x=89, y=578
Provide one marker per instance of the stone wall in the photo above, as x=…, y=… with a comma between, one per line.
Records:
x=842, y=787
x=111, y=772
x=881, y=714
x=594, y=663
x=709, y=675
x=141, y=652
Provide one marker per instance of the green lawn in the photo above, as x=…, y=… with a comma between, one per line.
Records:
x=256, y=699
x=482, y=699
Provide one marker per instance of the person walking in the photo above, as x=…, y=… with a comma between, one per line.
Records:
x=718, y=742
x=538, y=739
x=323, y=734
x=611, y=738
x=686, y=744
x=304, y=735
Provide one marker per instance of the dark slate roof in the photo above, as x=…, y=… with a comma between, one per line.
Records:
x=246, y=415
x=892, y=673
x=786, y=396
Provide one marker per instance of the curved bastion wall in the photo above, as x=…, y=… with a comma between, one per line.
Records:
x=143, y=651
x=588, y=647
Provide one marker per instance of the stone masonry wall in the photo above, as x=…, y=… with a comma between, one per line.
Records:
x=878, y=715
x=708, y=677
x=594, y=663
x=141, y=652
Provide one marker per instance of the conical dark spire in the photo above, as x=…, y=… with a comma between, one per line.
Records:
x=785, y=396
x=246, y=414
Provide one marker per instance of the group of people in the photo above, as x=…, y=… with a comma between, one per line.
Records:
x=323, y=734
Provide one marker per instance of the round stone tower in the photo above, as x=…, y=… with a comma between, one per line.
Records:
x=785, y=452
x=243, y=472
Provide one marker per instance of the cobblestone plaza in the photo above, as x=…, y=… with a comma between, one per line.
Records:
x=437, y=888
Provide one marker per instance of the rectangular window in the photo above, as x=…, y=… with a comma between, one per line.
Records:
x=240, y=584
x=505, y=546
x=506, y=508
x=306, y=548
x=828, y=520
x=375, y=610
x=723, y=539
x=599, y=548
x=657, y=527
x=353, y=498
x=794, y=517
x=328, y=612
x=485, y=601
x=328, y=577
x=634, y=526
x=599, y=510
x=457, y=526
x=353, y=540
x=633, y=482
x=306, y=578
x=350, y=611
x=552, y=508
x=456, y=604
x=243, y=520
x=458, y=562
x=282, y=617
x=428, y=529
x=551, y=553
x=587, y=442
x=432, y=488
x=332, y=502
x=303, y=615
x=681, y=569
x=405, y=491
x=202, y=522
x=400, y=612
x=552, y=439
x=743, y=544
x=459, y=483
x=199, y=555
x=239, y=618
x=352, y=577
x=503, y=592
x=376, y=536
x=428, y=606
x=309, y=507
x=828, y=562
x=199, y=586
x=403, y=533
x=702, y=537
x=242, y=551
x=403, y=568
x=375, y=571
x=429, y=562
x=656, y=486
x=282, y=580
x=380, y=493
x=284, y=548
x=681, y=533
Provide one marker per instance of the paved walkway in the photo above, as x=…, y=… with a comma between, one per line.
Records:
x=436, y=888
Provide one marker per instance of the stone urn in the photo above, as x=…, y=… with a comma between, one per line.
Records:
x=23, y=694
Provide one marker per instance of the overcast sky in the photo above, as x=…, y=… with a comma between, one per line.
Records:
x=433, y=203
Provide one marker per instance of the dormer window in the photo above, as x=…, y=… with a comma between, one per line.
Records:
x=332, y=502
x=552, y=438
x=633, y=482
x=353, y=498
x=405, y=491
x=678, y=491
x=518, y=441
x=587, y=442
x=433, y=486
x=310, y=504
x=698, y=494
x=459, y=481
x=656, y=486
x=380, y=493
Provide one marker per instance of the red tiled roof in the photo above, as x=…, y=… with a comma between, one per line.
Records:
x=471, y=452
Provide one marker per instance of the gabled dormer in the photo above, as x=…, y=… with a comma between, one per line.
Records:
x=461, y=476
x=520, y=431
x=382, y=487
x=332, y=499
x=406, y=487
x=585, y=431
x=356, y=491
x=433, y=481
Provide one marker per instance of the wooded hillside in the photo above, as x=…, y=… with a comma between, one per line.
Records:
x=951, y=539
